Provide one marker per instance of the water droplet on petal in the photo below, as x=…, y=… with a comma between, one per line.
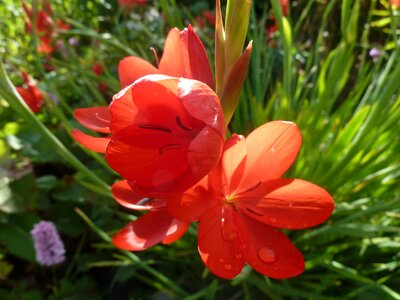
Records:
x=290, y=204
x=238, y=255
x=221, y=260
x=228, y=267
x=229, y=232
x=267, y=255
x=273, y=220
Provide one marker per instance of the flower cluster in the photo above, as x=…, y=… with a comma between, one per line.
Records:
x=46, y=27
x=48, y=245
x=164, y=133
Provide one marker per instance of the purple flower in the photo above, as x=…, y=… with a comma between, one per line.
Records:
x=374, y=53
x=48, y=245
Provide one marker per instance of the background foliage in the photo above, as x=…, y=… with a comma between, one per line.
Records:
x=315, y=71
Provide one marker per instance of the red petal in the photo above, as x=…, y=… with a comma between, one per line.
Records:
x=132, y=68
x=122, y=110
x=233, y=163
x=269, y=251
x=202, y=103
x=148, y=157
x=94, y=118
x=175, y=231
x=271, y=149
x=219, y=245
x=175, y=60
x=193, y=203
x=128, y=198
x=198, y=59
x=145, y=232
x=97, y=144
x=287, y=203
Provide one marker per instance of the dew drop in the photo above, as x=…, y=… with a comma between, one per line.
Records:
x=221, y=260
x=267, y=255
x=290, y=204
x=273, y=220
x=228, y=267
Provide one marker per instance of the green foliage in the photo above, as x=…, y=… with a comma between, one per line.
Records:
x=314, y=71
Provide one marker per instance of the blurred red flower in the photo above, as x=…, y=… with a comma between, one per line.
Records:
x=31, y=94
x=150, y=229
x=130, y=3
x=97, y=69
x=166, y=133
x=244, y=201
x=45, y=26
x=395, y=3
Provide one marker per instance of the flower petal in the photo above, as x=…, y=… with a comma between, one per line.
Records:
x=175, y=231
x=271, y=149
x=202, y=103
x=191, y=204
x=128, y=198
x=287, y=203
x=269, y=251
x=132, y=68
x=147, y=157
x=220, y=250
x=175, y=60
x=146, y=231
x=199, y=64
x=122, y=110
x=96, y=144
x=233, y=163
x=94, y=118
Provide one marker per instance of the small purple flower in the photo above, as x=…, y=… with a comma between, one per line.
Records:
x=374, y=53
x=48, y=245
x=73, y=41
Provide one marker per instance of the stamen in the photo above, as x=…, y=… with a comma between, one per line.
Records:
x=169, y=147
x=253, y=188
x=155, y=127
x=155, y=55
x=179, y=122
x=254, y=212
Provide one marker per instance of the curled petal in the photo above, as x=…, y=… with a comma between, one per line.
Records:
x=96, y=144
x=287, y=203
x=219, y=245
x=132, y=68
x=202, y=103
x=128, y=198
x=94, y=118
x=122, y=110
x=148, y=231
x=271, y=149
x=269, y=251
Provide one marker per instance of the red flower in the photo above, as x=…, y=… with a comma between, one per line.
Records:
x=98, y=70
x=166, y=133
x=46, y=29
x=184, y=56
x=244, y=201
x=150, y=229
x=31, y=94
x=130, y=3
